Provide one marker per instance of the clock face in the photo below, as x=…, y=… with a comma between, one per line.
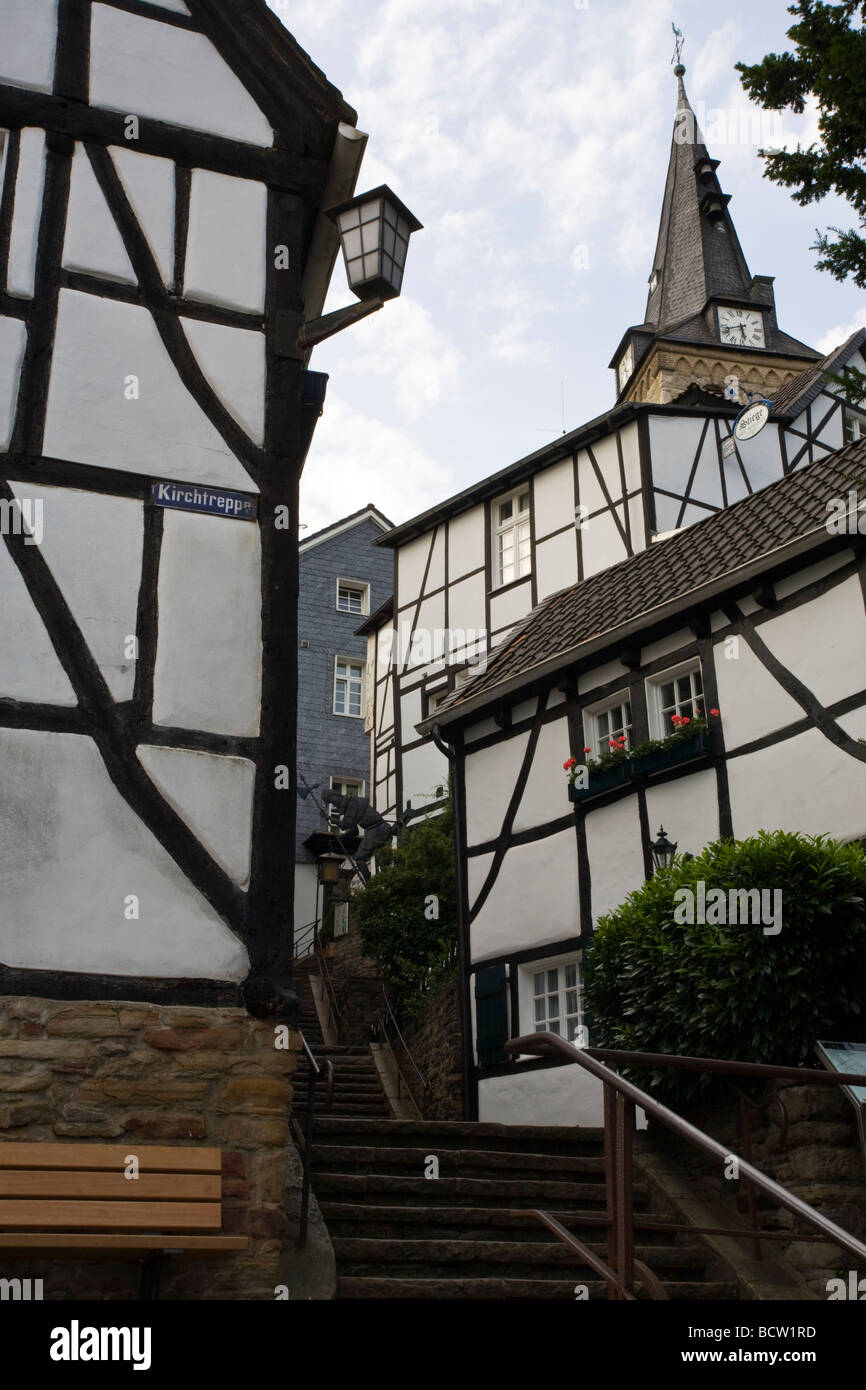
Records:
x=741, y=327
x=626, y=366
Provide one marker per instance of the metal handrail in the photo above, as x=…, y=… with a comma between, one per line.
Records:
x=302, y=934
x=620, y=1099
x=384, y=1033
x=305, y=1136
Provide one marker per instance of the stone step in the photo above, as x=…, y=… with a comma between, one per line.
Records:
x=492, y=1162
x=460, y=1134
x=346, y=1108
x=537, y=1289
x=523, y=1258
x=465, y=1222
x=499, y=1192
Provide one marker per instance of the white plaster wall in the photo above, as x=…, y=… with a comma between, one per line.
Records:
x=481, y=730
x=225, y=259
x=208, y=660
x=29, y=666
x=13, y=340
x=553, y=497
x=822, y=642
x=306, y=887
x=752, y=703
x=534, y=899
x=28, y=208
x=466, y=607
x=653, y=651
x=233, y=360
x=613, y=841
x=542, y=1096
x=805, y=784
x=92, y=241
x=410, y=713
x=707, y=484
x=602, y=543
x=98, y=344
x=149, y=185
x=436, y=572
x=424, y=769
x=466, y=542
x=411, y=561
x=555, y=564
x=71, y=852
x=762, y=456
x=509, y=607
x=170, y=74
x=803, y=577
x=673, y=442
x=78, y=526
x=490, y=777
x=431, y=618
x=688, y=809
x=27, y=51
x=545, y=795
x=636, y=520
x=214, y=795
x=630, y=444
x=601, y=675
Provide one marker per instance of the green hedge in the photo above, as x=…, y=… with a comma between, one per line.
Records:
x=656, y=984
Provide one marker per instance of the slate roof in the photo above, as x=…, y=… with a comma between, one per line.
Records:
x=668, y=571
x=797, y=394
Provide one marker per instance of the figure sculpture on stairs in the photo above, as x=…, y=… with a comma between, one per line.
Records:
x=356, y=814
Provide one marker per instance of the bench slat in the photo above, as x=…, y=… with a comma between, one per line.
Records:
x=26, y=1242
x=152, y=1158
x=93, y=1216
x=172, y=1187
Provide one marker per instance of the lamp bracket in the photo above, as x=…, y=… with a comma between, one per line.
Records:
x=317, y=330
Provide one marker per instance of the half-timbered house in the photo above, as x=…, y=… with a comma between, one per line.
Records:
x=662, y=458
x=755, y=615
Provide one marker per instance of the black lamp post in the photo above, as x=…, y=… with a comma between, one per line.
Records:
x=663, y=850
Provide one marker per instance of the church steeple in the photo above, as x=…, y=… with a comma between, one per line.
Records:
x=698, y=254
x=707, y=317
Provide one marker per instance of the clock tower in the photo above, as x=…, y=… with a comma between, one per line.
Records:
x=707, y=317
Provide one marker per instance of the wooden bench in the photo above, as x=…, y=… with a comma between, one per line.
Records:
x=75, y=1201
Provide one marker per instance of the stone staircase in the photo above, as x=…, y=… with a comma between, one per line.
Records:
x=468, y=1233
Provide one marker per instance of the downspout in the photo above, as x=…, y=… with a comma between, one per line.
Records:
x=456, y=763
x=345, y=163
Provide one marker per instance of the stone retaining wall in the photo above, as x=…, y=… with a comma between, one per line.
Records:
x=434, y=1041
x=135, y=1073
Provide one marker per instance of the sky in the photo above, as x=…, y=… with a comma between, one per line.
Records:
x=531, y=137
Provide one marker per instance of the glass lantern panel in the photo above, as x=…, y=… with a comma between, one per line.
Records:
x=355, y=270
x=349, y=219
x=403, y=228
x=397, y=278
x=390, y=214
x=370, y=232
x=371, y=265
x=400, y=251
x=352, y=245
x=388, y=239
x=371, y=211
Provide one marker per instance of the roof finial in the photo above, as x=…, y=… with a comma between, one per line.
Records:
x=679, y=43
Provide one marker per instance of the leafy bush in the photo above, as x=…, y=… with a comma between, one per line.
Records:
x=407, y=914
x=655, y=984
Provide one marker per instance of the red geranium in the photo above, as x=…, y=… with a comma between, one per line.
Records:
x=569, y=764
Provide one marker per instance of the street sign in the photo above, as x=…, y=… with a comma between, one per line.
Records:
x=752, y=420
x=189, y=497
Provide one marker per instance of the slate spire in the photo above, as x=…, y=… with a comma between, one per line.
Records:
x=698, y=254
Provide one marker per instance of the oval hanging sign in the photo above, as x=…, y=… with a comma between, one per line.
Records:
x=752, y=420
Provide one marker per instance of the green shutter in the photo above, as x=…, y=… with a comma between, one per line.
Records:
x=491, y=1014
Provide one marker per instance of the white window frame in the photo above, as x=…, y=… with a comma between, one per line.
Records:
x=659, y=718
x=338, y=785
x=512, y=525
x=348, y=661
x=592, y=735
x=364, y=610
x=526, y=995
x=852, y=423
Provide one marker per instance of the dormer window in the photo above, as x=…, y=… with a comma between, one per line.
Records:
x=512, y=558
x=654, y=281
x=625, y=367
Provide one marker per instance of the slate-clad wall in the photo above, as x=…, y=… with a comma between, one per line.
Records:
x=333, y=744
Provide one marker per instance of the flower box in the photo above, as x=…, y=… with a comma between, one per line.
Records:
x=682, y=752
x=600, y=782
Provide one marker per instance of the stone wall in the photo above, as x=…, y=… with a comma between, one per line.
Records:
x=357, y=986
x=141, y=1074
x=819, y=1160
x=434, y=1041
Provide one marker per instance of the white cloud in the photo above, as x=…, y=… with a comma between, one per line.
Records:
x=834, y=336
x=404, y=344
x=355, y=459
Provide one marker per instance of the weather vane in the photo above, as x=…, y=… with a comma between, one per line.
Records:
x=679, y=42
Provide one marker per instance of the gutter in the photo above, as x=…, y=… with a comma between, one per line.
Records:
x=345, y=163
x=670, y=608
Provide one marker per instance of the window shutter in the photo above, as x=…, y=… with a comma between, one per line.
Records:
x=491, y=1014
